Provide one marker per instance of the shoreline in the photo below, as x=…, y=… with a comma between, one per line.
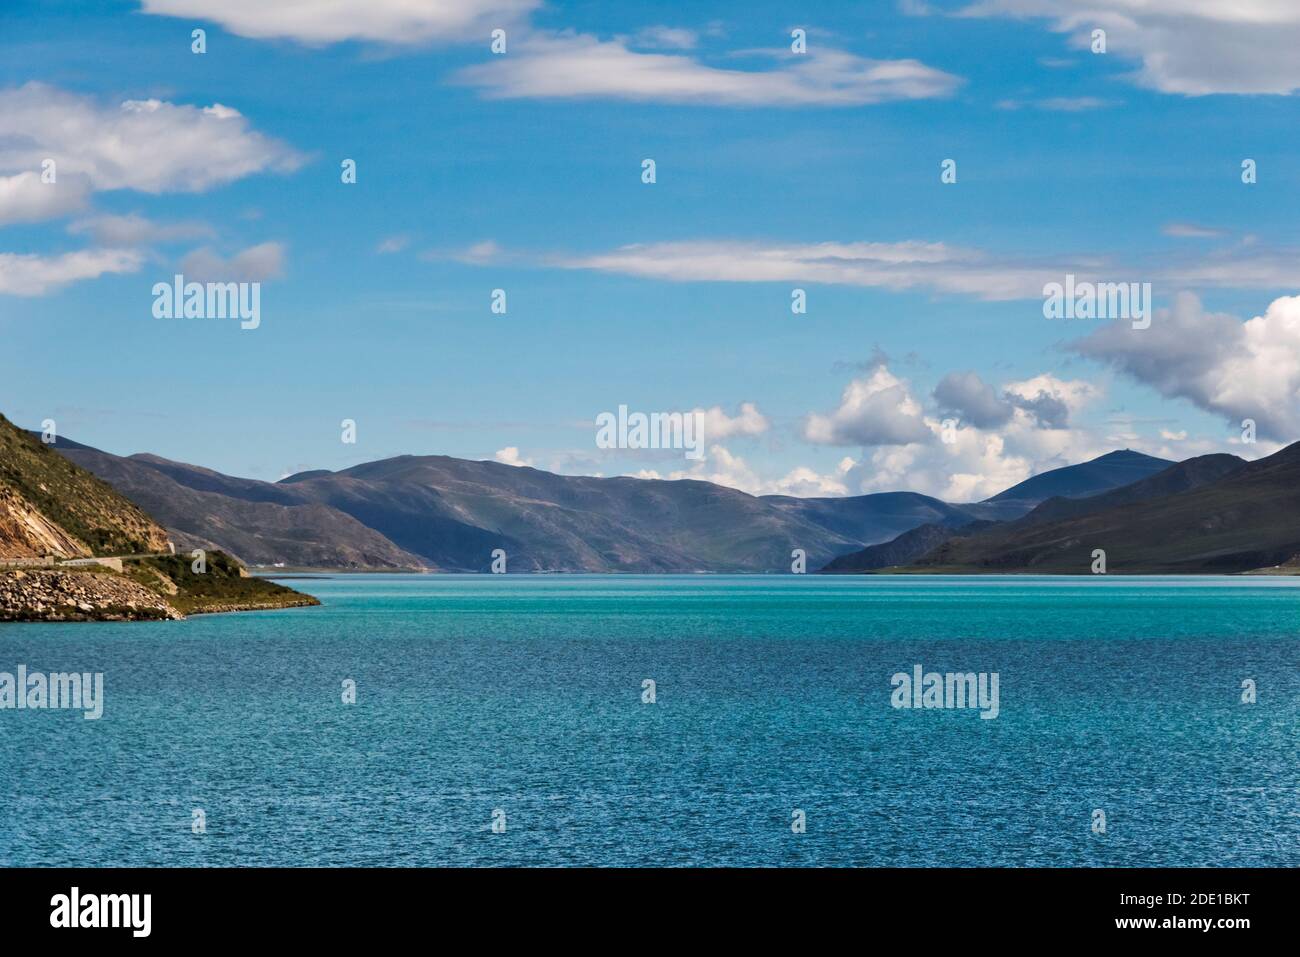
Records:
x=154, y=589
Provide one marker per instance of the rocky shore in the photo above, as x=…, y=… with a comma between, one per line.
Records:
x=149, y=589
x=55, y=595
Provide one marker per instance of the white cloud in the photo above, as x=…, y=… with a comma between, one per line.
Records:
x=717, y=425
x=25, y=199
x=145, y=145
x=666, y=38
x=978, y=463
x=510, y=456
x=479, y=253
x=1243, y=266
x=571, y=64
x=721, y=467
x=31, y=275
x=805, y=482
x=254, y=264
x=1057, y=104
x=1234, y=369
x=1190, y=231
x=907, y=265
x=1049, y=400
x=135, y=230
x=316, y=22
x=876, y=409
x=901, y=265
x=1072, y=104
x=1192, y=47
x=1025, y=428
x=393, y=244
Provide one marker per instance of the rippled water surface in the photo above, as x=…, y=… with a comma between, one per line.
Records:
x=524, y=695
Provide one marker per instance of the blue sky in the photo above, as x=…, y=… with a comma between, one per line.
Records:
x=775, y=170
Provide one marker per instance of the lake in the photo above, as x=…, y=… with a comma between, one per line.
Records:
x=523, y=700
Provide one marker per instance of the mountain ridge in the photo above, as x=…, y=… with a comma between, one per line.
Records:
x=1247, y=519
x=441, y=513
x=917, y=543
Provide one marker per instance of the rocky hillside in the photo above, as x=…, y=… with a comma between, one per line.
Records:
x=48, y=505
x=26, y=533
x=148, y=589
x=50, y=594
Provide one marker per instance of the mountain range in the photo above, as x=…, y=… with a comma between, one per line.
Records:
x=440, y=513
x=1211, y=514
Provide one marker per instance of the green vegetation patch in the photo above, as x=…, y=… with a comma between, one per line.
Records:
x=223, y=586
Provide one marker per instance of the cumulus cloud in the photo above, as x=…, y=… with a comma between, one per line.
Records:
x=254, y=264
x=1049, y=400
x=973, y=467
x=578, y=65
x=876, y=409
x=25, y=199
x=313, y=23
x=146, y=145
x=970, y=398
x=149, y=146
x=974, y=463
x=1232, y=368
x=722, y=467
x=1005, y=433
x=32, y=275
x=1191, y=47
x=717, y=425
x=510, y=456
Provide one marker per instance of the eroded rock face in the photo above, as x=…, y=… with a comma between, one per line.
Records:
x=26, y=533
x=53, y=595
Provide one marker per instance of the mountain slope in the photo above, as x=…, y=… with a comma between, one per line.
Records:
x=205, y=509
x=455, y=512
x=446, y=513
x=915, y=543
x=883, y=515
x=1113, y=470
x=902, y=550
x=1248, y=519
x=1181, y=477
x=49, y=505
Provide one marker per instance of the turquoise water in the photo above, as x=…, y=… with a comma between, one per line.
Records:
x=523, y=694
